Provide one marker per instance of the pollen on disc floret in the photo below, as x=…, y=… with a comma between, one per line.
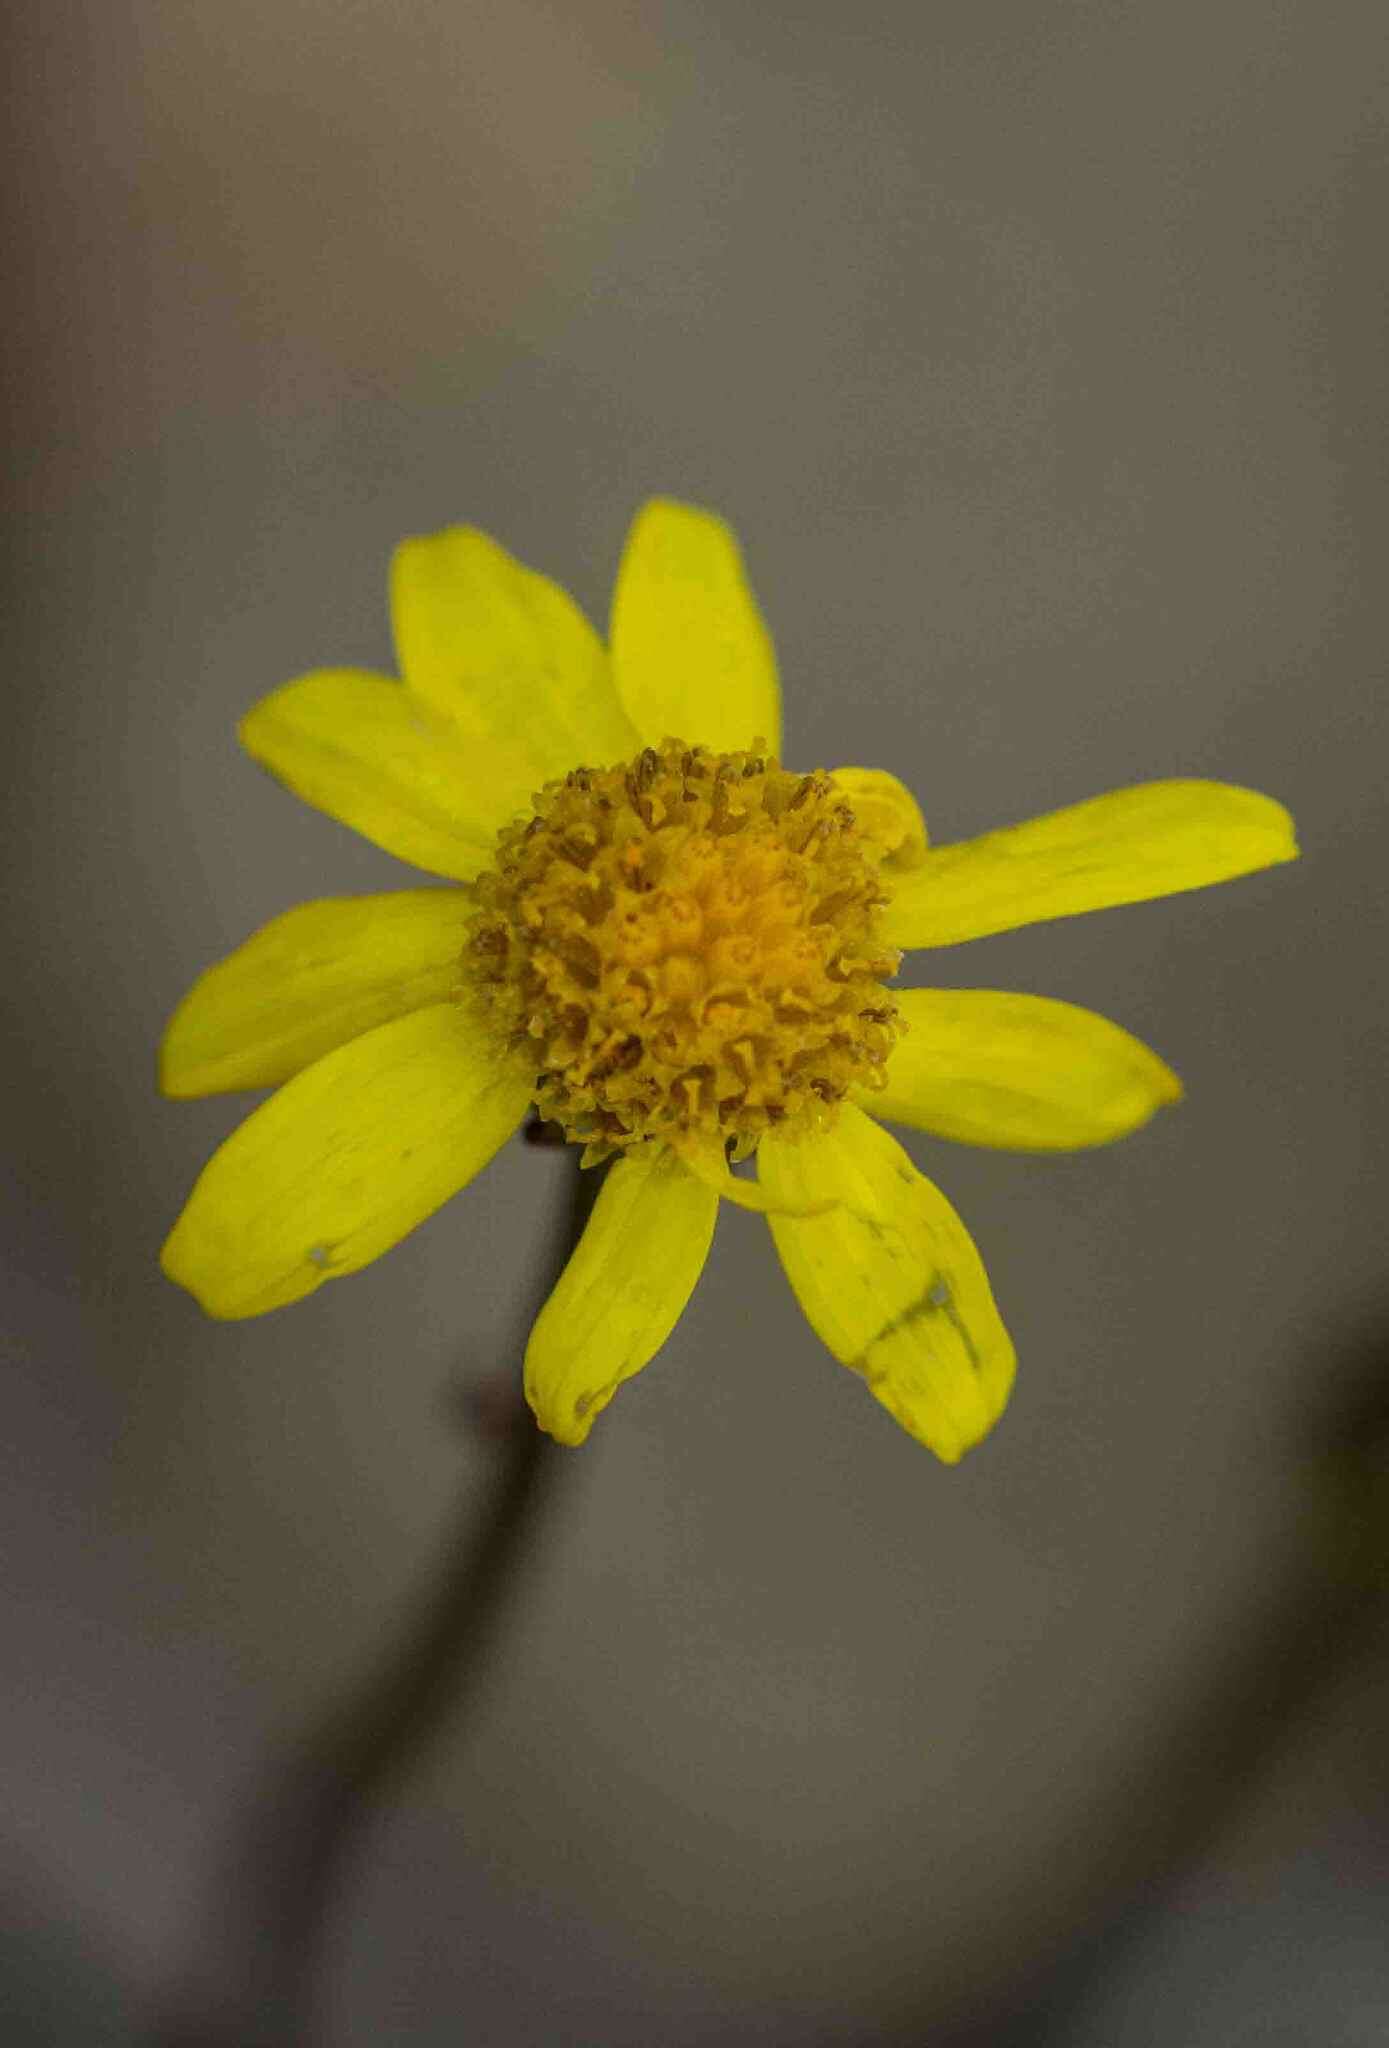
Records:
x=683, y=946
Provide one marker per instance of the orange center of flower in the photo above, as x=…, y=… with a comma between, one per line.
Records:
x=683, y=946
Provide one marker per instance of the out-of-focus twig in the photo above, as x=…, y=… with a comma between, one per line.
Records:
x=1327, y=1616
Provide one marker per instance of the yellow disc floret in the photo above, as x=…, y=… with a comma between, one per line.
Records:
x=683, y=947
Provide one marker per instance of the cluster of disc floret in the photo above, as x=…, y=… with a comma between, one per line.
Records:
x=682, y=946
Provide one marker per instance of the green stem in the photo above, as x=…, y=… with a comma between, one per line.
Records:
x=251, y=1983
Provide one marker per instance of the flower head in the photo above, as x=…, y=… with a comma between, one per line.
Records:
x=674, y=948
x=682, y=947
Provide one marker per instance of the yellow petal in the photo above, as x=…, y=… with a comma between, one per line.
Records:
x=623, y=1290
x=366, y=751
x=308, y=982
x=344, y=1161
x=692, y=656
x=888, y=813
x=1155, y=839
x=1022, y=1072
x=505, y=653
x=708, y=1161
x=891, y=1281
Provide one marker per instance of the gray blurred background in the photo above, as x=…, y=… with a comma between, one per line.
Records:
x=1036, y=351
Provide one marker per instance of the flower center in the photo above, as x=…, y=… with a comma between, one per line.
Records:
x=684, y=947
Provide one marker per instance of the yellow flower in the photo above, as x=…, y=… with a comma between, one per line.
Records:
x=680, y=952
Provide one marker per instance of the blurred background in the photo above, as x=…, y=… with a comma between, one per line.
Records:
x=1036, y=352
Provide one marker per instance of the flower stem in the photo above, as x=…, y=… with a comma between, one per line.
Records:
x=252, y=1979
